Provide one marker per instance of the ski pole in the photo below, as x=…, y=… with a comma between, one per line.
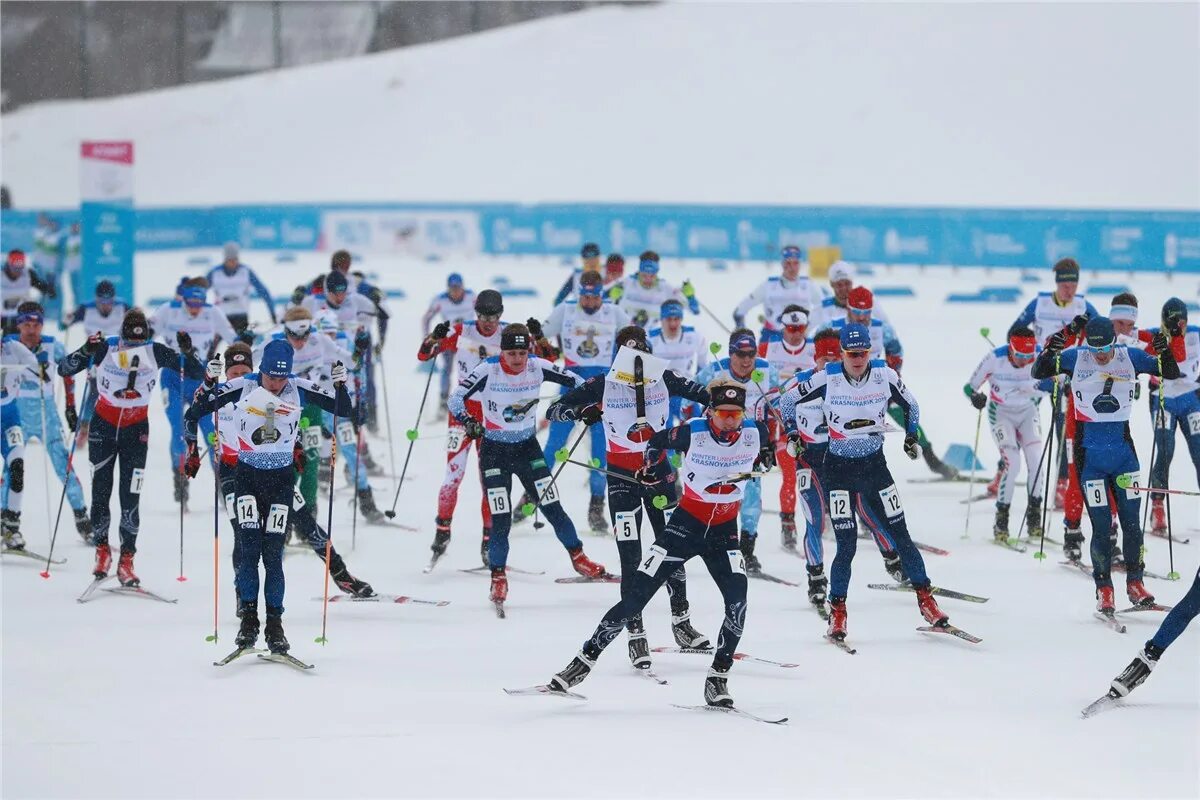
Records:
x=1125, y=482
x=563, y=457
x=45, y=447
x=971, y=480
x=62, y=498
x=329, y=524
x=387, y=415
x=180, y=476
x=1033, y=479
x=1054, y=399
x=358, y=454
x=411, y=435
x=986, y=334
x=715, y=318
x=216, y=443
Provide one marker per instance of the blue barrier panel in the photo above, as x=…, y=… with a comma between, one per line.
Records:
x=1110, y=289
x=397, y=294
x=894, y=291
x=980, y=298
x=962, y=458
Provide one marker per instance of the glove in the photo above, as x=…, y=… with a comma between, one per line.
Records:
x=1137, y=391
x=795, y=444
x=1160, y=343
x=299, y=460
x=979, y=400
x=375, y=295
x=911, y=448
x=616, y=292
x=687, y=290
x=766, y=459
x=1056, y=342
x=646, y=476
x=92, y=345
x=184, y=340
x=246, y=337
x=212, y=370
x=473, y=428
x=1076, y=326
x=440, y=331
x=739, y=320
x=191, y=464
x=535, y=328
x=338, y=373
x=72, y=417
x=362, y=343
x=298, y=295
x=589, y=415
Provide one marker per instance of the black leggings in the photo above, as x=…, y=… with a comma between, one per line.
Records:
x=106, y=444
x=499, y=462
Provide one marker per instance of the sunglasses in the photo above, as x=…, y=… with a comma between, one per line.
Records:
x=729, y=413
x=1105, y=349
x=488, y=317
x=795, y=328
x=857, y=353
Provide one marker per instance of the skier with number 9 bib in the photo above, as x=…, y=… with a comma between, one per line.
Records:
x=127, y=370
x=266, y=423
x=854, y=396
x=1103, y=375
x=631, y=403
x=720, y=451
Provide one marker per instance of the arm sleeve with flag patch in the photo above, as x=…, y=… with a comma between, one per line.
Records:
x=588, y=393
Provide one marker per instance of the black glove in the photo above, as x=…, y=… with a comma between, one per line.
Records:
x=473, y=428
x=911, y=448
x=1076, y=326
x=246, y=337
x=185, y=341
x=766, y=458
x=589, y=415
x=441, y=330
x=535, y=328
x=979, y=400
x=298, y=295
x=362, y=343
x=92, y=345
x=647, y=476
x=1160, y=343
x=795, y=443
x=72, y=418
x=1056, y=342
x=299, y=459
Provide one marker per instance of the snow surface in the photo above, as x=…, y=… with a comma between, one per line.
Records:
x=1077, y=105
x=118, y=698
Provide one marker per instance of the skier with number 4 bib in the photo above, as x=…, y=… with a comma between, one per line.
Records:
x=1103, y=375
x=631, y=403
x=266, y=423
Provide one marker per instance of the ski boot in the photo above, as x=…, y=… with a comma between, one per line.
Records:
x=837, y=619
x=1033, y=518
x=125, y=572
x=103, y=561
x=247, y=634
x=10, y=529
x=499, y=591
x=366, y=504
x=891, y=562
x=83, y=524
x=347, y=582
x=518, y=511
x=639, y=648
x=753, y=565
x=787, y=528
x=936, y=464
x=818, y=585
x=584, y=565
x=686, y=635
x=597, y=519
x=929, y=607
x=1000, y=525
x=573, y=674
x=1158, y=516
x=441, y=537
x=1138, y=670
x=1105, y=601
x=1138, y=595
x=1073, y=544
x=484, y=544
x=716, y=686
x=1114, y=545
x=277, y=643
x=181, y=489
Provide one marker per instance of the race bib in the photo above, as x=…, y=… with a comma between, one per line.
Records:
x=297, y=499
x=891, y=502
x=497, y=498
x=247, y=510
x=312, y=437
x=651, y=564
x=345, y=431
x=135, y=481
x=625, y=526
x=547, y=492
x=1193, y=421
x=277, y=518
x=1131, y=492
x=1094, y=491
x=737, y=562
x=231, y=506
x=839, y=504
x=804, y=479
x=14, y=436
x=454, y=438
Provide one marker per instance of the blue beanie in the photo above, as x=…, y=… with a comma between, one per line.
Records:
x=277, y=359
x=856, y=337
x=336, y=282
x=1100, y=333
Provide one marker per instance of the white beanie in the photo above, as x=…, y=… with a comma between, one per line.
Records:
x=841, y=271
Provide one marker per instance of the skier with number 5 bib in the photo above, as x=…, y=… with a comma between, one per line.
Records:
x=127, y=368
x=720, y=451
x=1103, y=375
x=631, y=403
x=507, y=387
x=266, y=422
x=854, y=397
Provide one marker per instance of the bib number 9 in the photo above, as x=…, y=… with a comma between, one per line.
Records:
x=1096, y=495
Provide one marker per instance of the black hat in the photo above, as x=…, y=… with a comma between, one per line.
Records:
x=238, y=354
x=134, y=327
x=727, y=395
x=633, y=337
x=590, y=250
x=489, y=302
x=514, y=337
x=105, y=290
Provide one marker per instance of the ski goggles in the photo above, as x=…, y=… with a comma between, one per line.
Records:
x=1105, y=348
x=729, y=414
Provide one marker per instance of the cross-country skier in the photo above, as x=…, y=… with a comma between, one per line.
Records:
x=342, y=261
x=17, y=282
x=630, y=404
x=238, y=363
x=590, y=253
x=39, y=412
x=614, y=271
x=454, y=306
x=17, y=360
x=740, y=367
x=471, y=343
x=718, y=451
x=231, y=282
x=266, y=422
x=684, y=348
x=205, y=325
x=1012, y=408
x=1103, y=374
x=586, y=329
x=835, y=302
x=508, y=386
x=854, y=398
x=47, y=260
x=127, y=368
x=777, y=293
x=642, y=294
x=103, y=315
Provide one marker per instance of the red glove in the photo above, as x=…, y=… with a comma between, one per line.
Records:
x=299, y=460
x=895, y=362
x=191, y=463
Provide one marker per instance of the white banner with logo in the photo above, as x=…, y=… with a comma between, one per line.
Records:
x=410, y=233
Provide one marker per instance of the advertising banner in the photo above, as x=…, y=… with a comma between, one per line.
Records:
x=107, y=216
